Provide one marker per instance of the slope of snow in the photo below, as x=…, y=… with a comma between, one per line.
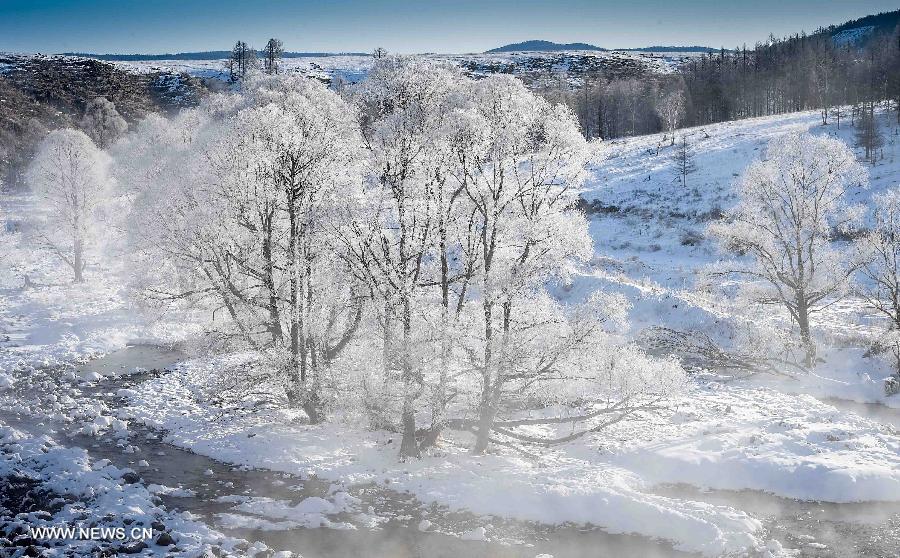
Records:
x=650, y=241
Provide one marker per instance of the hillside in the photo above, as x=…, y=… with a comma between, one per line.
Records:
x=543, y=46
x=202, y=55
x=40, y=93
x=651, y=243
x=884, y=22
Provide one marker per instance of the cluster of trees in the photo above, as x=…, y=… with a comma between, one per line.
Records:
x=244, y=58
x=806, y=242
x=625, y=107
x=387, y=250
x=803, y=72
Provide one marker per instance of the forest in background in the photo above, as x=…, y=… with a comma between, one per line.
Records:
x=826, y=71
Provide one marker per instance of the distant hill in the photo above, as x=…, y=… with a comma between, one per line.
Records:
x=858, y=31
x=694, y=48
x=883, y=22
x=543, y=46
x=205, y=55
x=549, y=46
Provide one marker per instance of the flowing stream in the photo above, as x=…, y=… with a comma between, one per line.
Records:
x=207, y=480
x=812, y=528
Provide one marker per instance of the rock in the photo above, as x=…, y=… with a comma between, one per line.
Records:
x=165, y=539
x=892, y=386
x=476, y=534
x=133, y=547
x=424, y=525
x=158, y=526
x=130, y=477
x=24, y=540
x=32, y=551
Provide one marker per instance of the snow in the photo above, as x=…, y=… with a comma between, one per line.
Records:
x=767, y=434
x=94, y=493
x=576, y=485
x=56, y=321
x=353, y=68
x=280, y=514
x=852, y=36
x=641, y=250
x=793, y=446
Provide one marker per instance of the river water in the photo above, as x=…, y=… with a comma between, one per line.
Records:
x=813, y=529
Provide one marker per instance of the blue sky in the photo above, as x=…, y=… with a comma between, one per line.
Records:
x=155, y=26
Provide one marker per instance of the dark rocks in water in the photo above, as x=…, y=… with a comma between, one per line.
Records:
x=892, y=385
x=133, y=547
x=130, y=477
x=24, y=540
x=165, y=539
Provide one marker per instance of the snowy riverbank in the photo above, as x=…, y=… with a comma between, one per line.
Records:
x=770, y=435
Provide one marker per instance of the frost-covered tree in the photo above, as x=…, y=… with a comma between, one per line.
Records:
x=880, y=248
x=298, y=153
x=239, y=205
x=683, y=157
x=791, y=204
x=670, y=108
x=273, y=51
x=868, y=136
x=394, y=257
x=521, y=162
x=402, y=103
x=69, y=174
x=102, y=122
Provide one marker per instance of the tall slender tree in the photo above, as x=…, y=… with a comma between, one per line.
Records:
x=273, y=52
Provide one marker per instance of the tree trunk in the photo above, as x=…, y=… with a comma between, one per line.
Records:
x=485, y=413
x=805, y=336
x=439, y=396
x=274, y=325
x=408, y=446
x=78, y=260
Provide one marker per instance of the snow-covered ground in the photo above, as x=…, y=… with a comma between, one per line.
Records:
x=352, y=68
x=51, y=320
x=767, y=434
x=66, y=489
x=650, y=244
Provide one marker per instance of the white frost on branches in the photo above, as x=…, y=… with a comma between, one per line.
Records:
x=70, y=176
x=792, y=204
